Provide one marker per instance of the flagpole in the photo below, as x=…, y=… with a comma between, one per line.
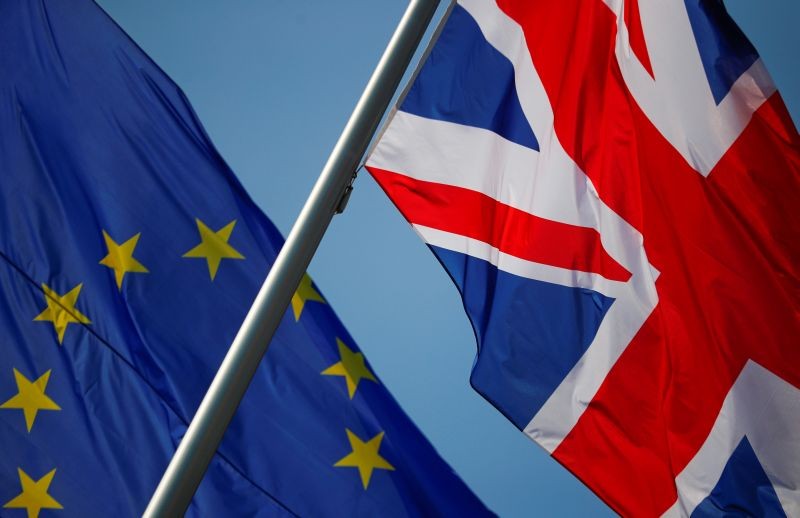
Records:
x=188, y=465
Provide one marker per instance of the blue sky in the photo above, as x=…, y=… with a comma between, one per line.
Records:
x=274, y=83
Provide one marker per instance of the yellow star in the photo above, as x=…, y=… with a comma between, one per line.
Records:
x=305, y=292
x=61, y=310
x=364, y=456
x=120, y=257
x=352, y=367
x=34, y=495
x=30, y=397
x=214, y=246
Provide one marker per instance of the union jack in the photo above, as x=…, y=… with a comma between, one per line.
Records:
x=612, y=186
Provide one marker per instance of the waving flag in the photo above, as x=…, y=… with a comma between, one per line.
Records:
x=129, y=255
x=612, y=185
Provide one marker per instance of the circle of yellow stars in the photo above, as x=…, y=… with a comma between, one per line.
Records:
x=61, y=311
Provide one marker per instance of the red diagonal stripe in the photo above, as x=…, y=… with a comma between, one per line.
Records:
x=636, y=35
x=512, y=231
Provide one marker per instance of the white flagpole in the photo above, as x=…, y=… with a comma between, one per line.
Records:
x=188, y=465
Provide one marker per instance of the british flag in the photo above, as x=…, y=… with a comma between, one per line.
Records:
x=613, y=185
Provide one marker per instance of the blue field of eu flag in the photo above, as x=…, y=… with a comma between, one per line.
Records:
x=129, y=255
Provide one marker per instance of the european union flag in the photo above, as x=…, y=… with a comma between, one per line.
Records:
x=129, y=255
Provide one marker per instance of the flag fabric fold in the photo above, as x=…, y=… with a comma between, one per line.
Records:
x=612, y=186
x=129, y=255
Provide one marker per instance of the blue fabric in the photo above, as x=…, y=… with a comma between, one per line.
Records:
x=95, y=137
x=467, y=81
x=536, y=332
x=743, y=489
x=724, y=49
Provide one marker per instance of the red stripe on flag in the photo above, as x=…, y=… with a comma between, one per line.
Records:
x=636, y=35
x=512, y=231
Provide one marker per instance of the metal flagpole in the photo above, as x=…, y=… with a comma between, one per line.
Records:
x=188, y=465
